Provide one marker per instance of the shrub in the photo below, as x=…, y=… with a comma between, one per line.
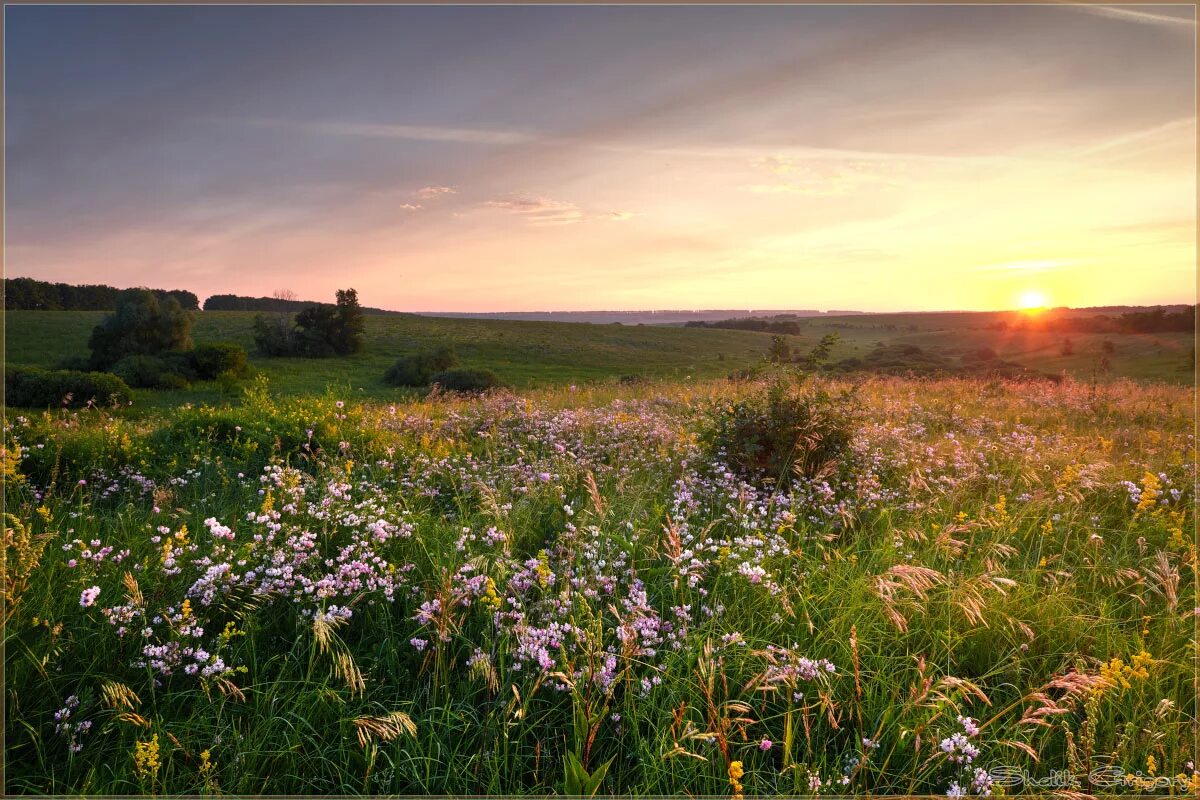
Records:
x=36, y=388
x=142, y=372
x=228, y=382
x=784, y=428
x=180, y=363
x=212, y=358
x=275, y=335
x=418, y=369
x=143, y=324
x=467, y=380
x=77, y=363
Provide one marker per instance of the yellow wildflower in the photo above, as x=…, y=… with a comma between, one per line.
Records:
x=735, y=774
x=1150, y=492
x=146, y=759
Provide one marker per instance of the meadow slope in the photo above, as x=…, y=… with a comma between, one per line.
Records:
x=531, y=354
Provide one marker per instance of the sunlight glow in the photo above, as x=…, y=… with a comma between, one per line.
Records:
x=1032, y=300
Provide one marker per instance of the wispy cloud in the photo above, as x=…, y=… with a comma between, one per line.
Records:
x=1036, y=265
x=420, y=133
x=823, y=177
x=543, y=211
x=430, y=192
x=1182, y=24
x=539, y=210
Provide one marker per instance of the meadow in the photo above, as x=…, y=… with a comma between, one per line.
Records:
x=951, y=587
x=528, y=355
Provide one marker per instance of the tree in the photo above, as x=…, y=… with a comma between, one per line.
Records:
x=315, y=327
x=318, y=331
x=349, y=323
x=275, y=335
x=820, y=354
x=143, y=324
x=780, y=351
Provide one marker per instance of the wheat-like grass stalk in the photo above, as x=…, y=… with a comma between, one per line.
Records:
x=385, y=728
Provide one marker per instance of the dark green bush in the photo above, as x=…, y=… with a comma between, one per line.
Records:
x=180, y=363
x=418, y=369
x=78, y=363
x=212, y=358
x=143, y=324
x=467, y=380
x=142, y=372
x=36, y=388
x=783, y=429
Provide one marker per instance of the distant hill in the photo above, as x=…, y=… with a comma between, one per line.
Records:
x=663, y=317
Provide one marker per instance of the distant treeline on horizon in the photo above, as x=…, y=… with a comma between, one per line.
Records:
x=234, y=302
x=28, y=294
x=1134, y=319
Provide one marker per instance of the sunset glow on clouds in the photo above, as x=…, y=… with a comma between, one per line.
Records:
x=502, y=158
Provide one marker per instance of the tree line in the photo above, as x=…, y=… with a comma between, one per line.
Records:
x=1154, y=320
x=280, y=302
x=28, y=294
x=776, y=325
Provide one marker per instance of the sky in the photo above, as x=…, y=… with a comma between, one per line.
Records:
x=506, y=158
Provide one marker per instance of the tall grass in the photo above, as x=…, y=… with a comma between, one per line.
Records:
x=465, y=595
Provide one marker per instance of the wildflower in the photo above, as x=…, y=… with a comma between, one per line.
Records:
x=981, y=783
x=419, y=644
x=765, y=744
x=145, y=758
x=735, y=775
x=88, y=596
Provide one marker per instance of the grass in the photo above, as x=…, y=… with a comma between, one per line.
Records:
x=524, y=354
x=534, y=354
x=458, y=596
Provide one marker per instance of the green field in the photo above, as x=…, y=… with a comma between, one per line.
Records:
x=524, y=354
x=531, y=354
x=1167, y=357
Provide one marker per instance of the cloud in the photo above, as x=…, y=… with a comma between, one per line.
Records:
x=1038, y=265
x=409, y=207
x=539, y=210
x=430, y=192
x=420, y=133
x=823, y=177
x=543, y=211
x=1181, y=24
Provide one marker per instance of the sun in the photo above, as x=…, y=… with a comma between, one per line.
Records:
x=1032, y=300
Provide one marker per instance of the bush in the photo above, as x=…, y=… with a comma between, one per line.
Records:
x=275, y=335
x=180, y=363
x=143, y=324
x=142, y=372
x=211, y=359
x=418, y=369
x=467, y=380
x=36, y=388
x=784, y=429
x=77, y=363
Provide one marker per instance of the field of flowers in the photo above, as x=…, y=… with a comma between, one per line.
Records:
x=987, y=588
